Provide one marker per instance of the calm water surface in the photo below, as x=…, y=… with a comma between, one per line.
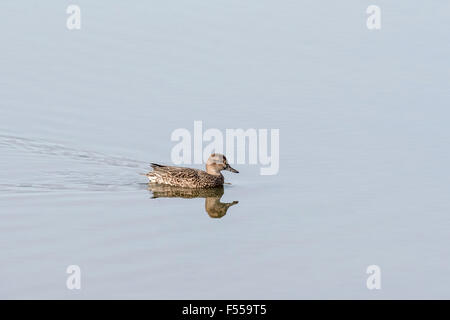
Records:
x=364, y=136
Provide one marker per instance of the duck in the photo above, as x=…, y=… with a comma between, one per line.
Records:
x=192, y=178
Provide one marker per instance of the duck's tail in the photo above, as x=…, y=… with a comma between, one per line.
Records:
x=152, y=177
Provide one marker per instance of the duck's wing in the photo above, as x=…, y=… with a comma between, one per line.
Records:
x=157, y=166
x=173, y=169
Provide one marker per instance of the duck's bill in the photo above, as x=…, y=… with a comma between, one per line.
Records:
x=231, y=169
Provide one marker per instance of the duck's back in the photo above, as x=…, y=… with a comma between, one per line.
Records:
x=183, y=177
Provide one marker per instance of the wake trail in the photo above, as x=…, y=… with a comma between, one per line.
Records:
x=97, y=170
x=54, y=149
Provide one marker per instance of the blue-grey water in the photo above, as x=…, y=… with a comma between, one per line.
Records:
x=364, y=149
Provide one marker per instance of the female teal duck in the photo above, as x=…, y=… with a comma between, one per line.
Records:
x=192, y=178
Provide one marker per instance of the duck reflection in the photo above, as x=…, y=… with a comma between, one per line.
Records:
x=213, y=206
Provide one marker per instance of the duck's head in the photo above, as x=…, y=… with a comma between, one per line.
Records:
x=218, y=162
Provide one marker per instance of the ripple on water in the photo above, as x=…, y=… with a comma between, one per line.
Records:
x=33, y=166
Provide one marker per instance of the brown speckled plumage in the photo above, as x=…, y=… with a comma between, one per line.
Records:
x=192, y=178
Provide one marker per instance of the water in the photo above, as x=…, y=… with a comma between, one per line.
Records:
x=363, y=118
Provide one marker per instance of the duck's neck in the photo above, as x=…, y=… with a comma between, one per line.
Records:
x=212, y=169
